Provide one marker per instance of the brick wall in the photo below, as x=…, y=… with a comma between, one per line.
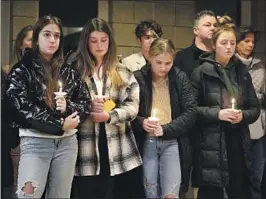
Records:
x=175, y=17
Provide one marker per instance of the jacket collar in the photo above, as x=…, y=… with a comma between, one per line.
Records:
x=140, y=59
x=30, y=58
x=210, y=66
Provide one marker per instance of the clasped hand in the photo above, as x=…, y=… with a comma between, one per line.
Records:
x=231, y=115
x=153, y=127
x=98, y=114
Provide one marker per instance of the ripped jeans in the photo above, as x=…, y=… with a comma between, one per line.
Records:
x=161, y=168
x=46, y=163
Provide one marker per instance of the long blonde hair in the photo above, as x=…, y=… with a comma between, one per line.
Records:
x=86, y=61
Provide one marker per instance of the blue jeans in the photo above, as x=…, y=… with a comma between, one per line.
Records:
x=258, y=157
x=47, y=163
x=161, y=167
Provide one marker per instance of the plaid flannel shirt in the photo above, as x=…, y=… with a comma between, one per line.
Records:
x=122, y=148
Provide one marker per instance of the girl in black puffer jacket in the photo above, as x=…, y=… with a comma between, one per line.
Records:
x=227, y=104
x=47, y=121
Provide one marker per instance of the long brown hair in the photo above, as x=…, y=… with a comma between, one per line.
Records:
x=86, y=61
x=51, y=69
x=18, y=51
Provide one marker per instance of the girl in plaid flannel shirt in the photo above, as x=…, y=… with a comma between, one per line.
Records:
x=107, y=146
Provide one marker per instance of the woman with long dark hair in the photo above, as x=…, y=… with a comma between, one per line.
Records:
x=46, y=121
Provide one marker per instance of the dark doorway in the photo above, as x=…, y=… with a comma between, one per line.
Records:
x=73, y=14
x=221, y=7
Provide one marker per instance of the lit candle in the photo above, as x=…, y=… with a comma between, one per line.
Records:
x=60, y=92
x=233, y=101
x=153, y=115
x=60, y=86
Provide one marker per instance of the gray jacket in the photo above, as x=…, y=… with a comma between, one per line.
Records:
x=257, y=72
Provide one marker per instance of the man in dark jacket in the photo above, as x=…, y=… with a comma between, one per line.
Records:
x=187, y=59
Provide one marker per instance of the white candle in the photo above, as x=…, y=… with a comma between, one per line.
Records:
x=99, y=86
x=60, y=86
x=233, y=101
x=153, y=115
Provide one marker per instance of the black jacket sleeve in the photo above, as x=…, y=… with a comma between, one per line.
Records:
x=180, y=125
x=36, y=117
x=79, y=98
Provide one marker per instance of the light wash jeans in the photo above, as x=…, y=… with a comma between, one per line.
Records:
x=47, y=163
x=161, y=167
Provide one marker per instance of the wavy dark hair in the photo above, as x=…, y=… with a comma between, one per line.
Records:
x=147, y=25
x=243, y=31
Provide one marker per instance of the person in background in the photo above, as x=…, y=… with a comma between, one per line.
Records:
x=248, y=37
x=204, y=26
x=107, y=147
x=146, y=31
x=46, y=121
x=227, y=104
x=264, y=128
x=10, y=134
x=188, y=59
x=23, y=41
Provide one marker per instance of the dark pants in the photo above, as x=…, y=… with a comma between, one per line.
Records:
x=238, y=174
x=258, y=158
x=130, y=184
x=102, y=185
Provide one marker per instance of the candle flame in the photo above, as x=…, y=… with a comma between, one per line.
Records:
x=59, y=83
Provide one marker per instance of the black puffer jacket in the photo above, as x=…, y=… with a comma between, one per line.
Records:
x=26, y=91
x=210, y=158
x=183, y=109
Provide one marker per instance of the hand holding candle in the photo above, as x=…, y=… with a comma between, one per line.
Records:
x=151, y=124
x=60, y=99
